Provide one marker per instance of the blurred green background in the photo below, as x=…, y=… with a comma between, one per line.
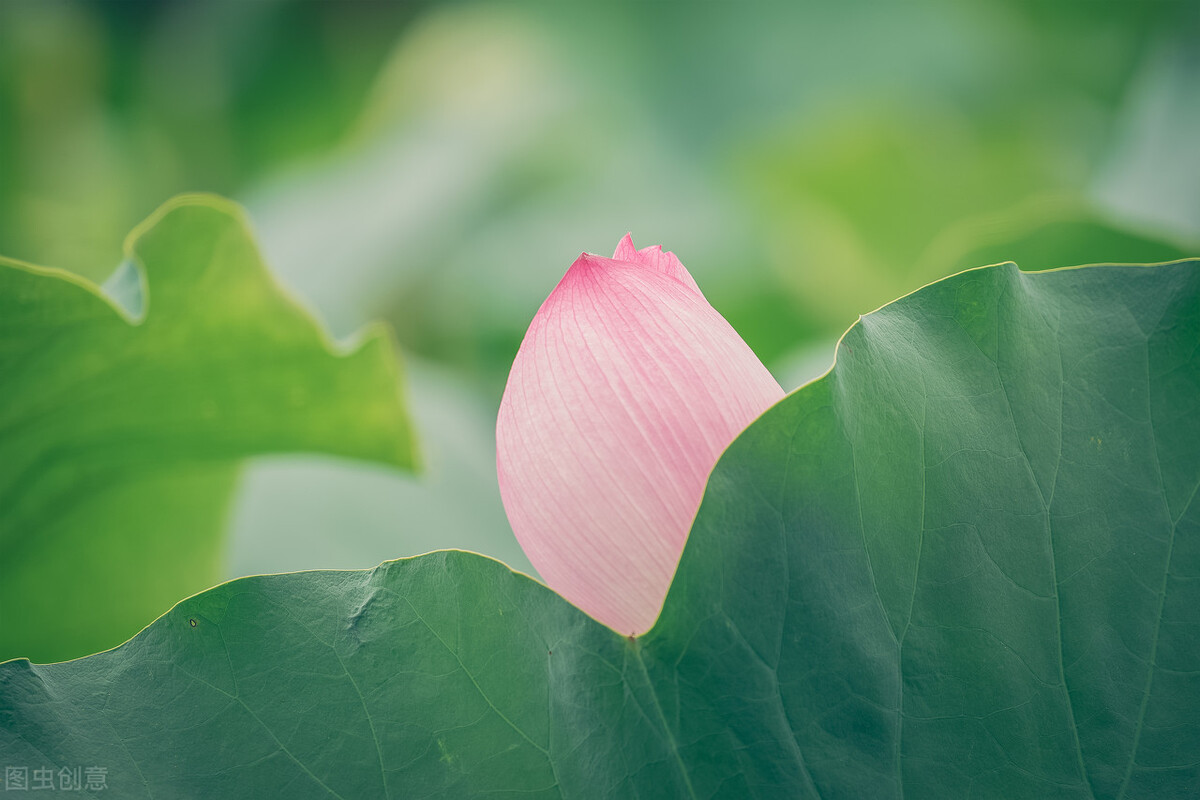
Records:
x=439, y=166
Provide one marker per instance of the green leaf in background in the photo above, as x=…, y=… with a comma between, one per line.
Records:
x=965, y=563
x=123, y=426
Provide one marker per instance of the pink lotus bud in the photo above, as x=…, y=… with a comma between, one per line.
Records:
x=626, y=389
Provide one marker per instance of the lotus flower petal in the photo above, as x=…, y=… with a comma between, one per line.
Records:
x=625, y=391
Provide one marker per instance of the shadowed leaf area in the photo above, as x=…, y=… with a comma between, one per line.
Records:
x=125, y=412
x=965, y=563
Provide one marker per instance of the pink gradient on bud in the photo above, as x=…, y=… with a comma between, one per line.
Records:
x=627, y=388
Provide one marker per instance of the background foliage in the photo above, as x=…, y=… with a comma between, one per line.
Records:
x=439, y=166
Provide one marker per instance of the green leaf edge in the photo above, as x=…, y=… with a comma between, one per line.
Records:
x=376, y=333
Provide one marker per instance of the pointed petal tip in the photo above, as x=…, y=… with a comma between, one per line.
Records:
x=647, y=256
x=585, y=269
x=587, y=261
x=625, y=249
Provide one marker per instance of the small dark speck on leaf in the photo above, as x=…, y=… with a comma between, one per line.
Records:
x=192, y=622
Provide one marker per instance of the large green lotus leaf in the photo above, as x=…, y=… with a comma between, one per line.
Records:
x=965, y=563
x=123, y=424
